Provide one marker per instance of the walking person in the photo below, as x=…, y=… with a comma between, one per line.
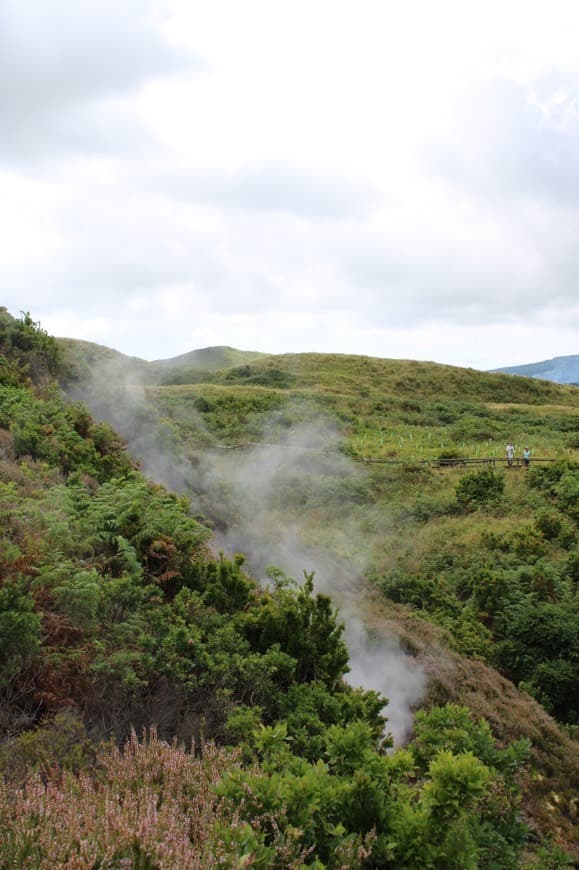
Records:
x=526, y=457
x=510, y=451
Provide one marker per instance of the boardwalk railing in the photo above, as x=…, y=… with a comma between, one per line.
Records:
x=517, y=462
x=491, y=461
x=435, y=462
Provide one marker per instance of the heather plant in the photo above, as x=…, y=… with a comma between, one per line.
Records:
x=151, y=805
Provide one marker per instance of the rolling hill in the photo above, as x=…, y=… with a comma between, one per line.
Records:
x=321, y=462
x=456, y=585
x=85, y=357
x=208, y=359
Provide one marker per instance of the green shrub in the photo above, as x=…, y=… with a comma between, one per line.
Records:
x=30, y=350
x=203, y=405
x=59, y=743
x=549, y=523
x=546, y=477
x=567, y=492
x=474, y=429
x=19, y=631
x=428, y=507
x=541, y=648
x=479, y=489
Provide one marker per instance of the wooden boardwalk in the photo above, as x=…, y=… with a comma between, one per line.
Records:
x=493, y=461
x=434, y=462
x=490, y=461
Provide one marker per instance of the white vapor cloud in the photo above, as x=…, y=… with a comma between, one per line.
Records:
x=261, y=502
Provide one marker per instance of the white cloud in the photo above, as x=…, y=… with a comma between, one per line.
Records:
x=391, y=179
x=68, y=72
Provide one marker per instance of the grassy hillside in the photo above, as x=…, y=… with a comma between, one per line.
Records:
x=323, y=462
x=207, y=359
x=117, y=611
x=384, y=408
x=85, y=358
x=340, y=373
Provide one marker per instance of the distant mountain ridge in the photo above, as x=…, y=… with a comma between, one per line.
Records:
x=560, y=369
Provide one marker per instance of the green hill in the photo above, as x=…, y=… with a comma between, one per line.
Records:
x=384, y=408
x=117, y=611
x=208, y=359
x=425, y=538
x=367, y=378
x=85, y=357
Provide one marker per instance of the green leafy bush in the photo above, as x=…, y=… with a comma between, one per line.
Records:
x=31, y=351
x=19, y=631
x=479, y=489
x=541, y=649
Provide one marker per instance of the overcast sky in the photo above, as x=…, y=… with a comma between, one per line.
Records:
x=398, y=179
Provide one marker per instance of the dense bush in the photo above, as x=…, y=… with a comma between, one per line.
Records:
x=510, y=597
x=61, y=434
x=26, y=350
x=19, y=631
x=541, y=650
x=474, y=429
x=480, y=488
x=264, y=377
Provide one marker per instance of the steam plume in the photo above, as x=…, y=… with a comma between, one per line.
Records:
x=297, y=506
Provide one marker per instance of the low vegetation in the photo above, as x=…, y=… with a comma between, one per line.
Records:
x=160, y=708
